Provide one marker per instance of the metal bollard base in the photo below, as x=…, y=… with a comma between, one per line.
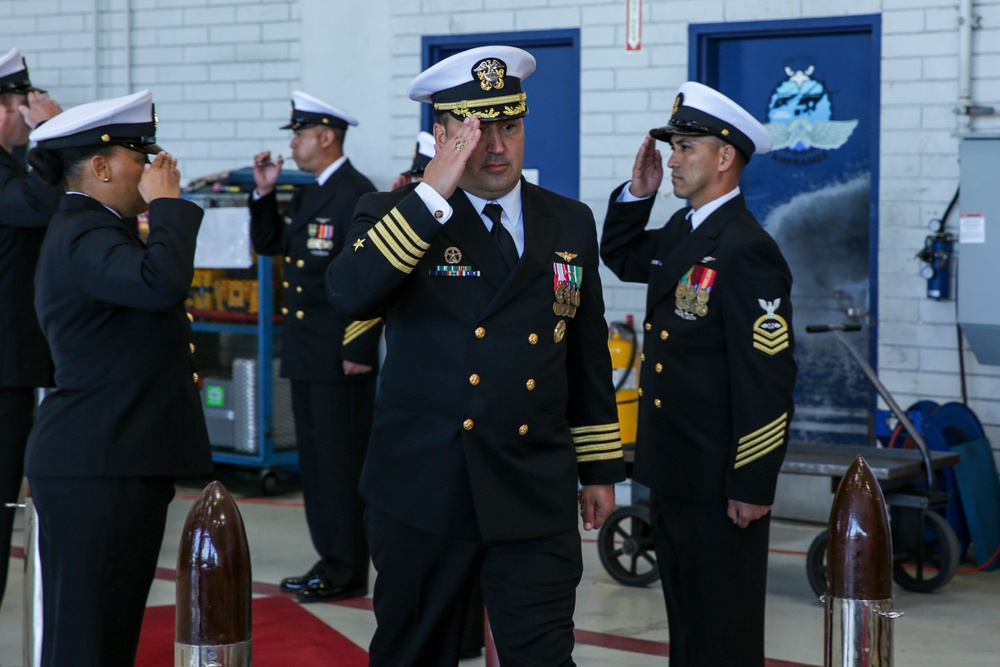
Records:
x=858, y=632
x=229, y=655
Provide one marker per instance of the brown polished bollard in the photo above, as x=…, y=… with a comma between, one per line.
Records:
x=213, y=626
x=858, y=596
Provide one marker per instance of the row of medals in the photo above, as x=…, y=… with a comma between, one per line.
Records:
x=692, y=300
x=567, y=300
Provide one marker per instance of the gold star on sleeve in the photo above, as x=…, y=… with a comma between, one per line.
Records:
x=359, y=244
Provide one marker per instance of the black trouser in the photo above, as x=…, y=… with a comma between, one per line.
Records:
x=422, y=595
x=333, y=422
x=714, y=577
x=99, y=540
x=17, y=405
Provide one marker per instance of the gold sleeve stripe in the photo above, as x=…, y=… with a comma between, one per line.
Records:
x=758, y=455
x=767, y=427
x=599, y=457
x=385, y=233
x=750, y=451
x=750, y=444
x=355, y=329
x=390, y=257
x=405, y=233
x=598, y=428
x=602, y=447
x=597, y=437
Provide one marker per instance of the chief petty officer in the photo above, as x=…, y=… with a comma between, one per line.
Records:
x=125, y=417
x=495, y=396
x=26, y=206
x=332, y=361
x=716, y=392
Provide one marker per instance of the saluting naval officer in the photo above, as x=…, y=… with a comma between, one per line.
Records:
x=717, y=375
x=125, y=417
x=26, y=206
x=495, y=397
x=332, y=360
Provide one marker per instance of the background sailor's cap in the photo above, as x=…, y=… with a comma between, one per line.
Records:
x=308, y=110
x=484, y=82
x=14, y=74
x=422, y=154
x=123, y=121
x=700, y=110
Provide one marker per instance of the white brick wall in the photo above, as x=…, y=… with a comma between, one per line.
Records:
x=222, y=71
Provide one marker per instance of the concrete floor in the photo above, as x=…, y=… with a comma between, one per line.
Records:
x=955, y=626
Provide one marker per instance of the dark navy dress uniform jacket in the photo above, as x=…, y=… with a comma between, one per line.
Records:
x=716, y=387
x=490, y=405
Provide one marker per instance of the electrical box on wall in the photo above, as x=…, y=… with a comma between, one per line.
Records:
x=979, y=245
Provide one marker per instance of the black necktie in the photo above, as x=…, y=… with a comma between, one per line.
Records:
x=500, y=234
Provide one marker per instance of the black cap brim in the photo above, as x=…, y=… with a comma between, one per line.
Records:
x=148, y=149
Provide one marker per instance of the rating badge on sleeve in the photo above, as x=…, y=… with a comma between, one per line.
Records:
x=770, y=331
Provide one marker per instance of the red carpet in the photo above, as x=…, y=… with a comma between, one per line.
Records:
x=283, y=633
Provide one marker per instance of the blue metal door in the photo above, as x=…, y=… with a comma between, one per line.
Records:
x=552, y=126
x=815, y=84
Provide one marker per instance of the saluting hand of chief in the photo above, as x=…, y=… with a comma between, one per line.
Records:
x=647, y=172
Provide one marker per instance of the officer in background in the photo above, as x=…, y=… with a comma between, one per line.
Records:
x=422, y=155
x=717, y=377
x=332, y=361
x=495, y=397
x=26, y=206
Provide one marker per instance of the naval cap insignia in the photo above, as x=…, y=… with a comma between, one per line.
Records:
x=678, y=101
x=490, y=72
x=567, y=256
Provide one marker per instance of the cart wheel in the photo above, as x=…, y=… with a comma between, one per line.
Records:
x=937, y=564
x=268, y=483
x=625, y=544
x=816, y=563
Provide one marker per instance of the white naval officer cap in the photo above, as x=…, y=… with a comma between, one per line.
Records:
x=308, y=110
x=484, y=82
x=700, y=110
x=128, y=121
x=14, y=74
x=422, y=154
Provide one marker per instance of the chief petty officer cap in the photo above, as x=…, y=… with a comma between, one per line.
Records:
x=127, y=121
x=308, y=110
x=422, y=154
x=700, y=111
x=483, y=82
x=14, y=74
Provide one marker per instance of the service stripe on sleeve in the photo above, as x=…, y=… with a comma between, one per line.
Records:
x=761, y=442
x=355, y=329
x=597, y=443
x=397, y=241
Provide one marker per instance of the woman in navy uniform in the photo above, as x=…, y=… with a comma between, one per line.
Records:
x=26, y=206
x=717, y=376
x=125, y=417
x=331, y=360
x=495, y=396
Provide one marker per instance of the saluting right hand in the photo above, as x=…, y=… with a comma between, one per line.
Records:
x=266, y=173
x=39, y=108
x=445, y=169
x=647, y=172
x=161, y=178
